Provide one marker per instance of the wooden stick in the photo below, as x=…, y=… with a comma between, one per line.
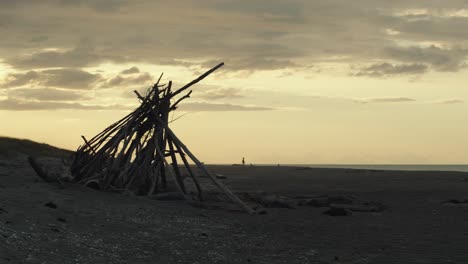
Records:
x=174, y=106
x=155, y=180
x=189, y=170
x=175, y=166
x=187, y=197
x=203, y=76
x=87, y=143
x=209, y=174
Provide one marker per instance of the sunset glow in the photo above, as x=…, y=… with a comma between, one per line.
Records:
x=304, y=82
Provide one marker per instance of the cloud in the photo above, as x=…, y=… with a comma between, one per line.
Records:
x=283, y=11
x=385, y=100
x=131, y=70
x=63, y=78
x=444, y=25
x=23, y=105
x=45, y=94
x=72, y=78
x=98, y=5
x=142, y=79
x=451, y=101
x=248, y=35
x=388, y=69
x=440, y=59
x=203, y=107
x=20, y=79
x=216, y=93
x=76, y=57
x=250, y=66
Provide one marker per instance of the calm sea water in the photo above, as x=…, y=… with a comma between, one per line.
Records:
x=415, y=167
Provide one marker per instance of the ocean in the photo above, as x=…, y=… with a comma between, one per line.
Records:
x=407, y=167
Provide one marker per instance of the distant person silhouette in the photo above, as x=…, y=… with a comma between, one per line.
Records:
x=243, y=161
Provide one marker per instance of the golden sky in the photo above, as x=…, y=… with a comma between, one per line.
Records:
x=370, y=82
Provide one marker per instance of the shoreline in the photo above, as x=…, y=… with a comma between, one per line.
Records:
x=377, y=167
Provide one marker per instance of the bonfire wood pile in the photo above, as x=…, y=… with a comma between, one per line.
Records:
x=137, y=152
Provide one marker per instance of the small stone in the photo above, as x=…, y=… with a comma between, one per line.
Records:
x=51, y=205
x=220, y=176
x=337, y=212
x=276, y=201
x=456, y=201
x=168, y=196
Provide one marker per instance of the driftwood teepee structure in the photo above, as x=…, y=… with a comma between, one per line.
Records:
x=137, y=152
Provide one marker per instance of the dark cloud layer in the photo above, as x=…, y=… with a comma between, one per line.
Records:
x=440, y=59
x=143, y=79
x=63, y=78
x=131, y=70
x=387, y=69
x=45, y=94
x=24, y=105
x=248, y=35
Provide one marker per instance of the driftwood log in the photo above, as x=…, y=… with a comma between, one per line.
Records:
x=139, y=151
x=39, y=170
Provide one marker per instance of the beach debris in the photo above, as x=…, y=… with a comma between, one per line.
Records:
x=136, y=153
x=51, y=205
x=348, y=202
x=55, y=229
x=220, y=176
x=358, y=207
x=303, y=168
x=276, y=201
x=39, y=170
x=261, y=210
x=6, y=231
x=333, y=211
x=269, y=200
x=324, y=200
x=59, y=175
x=456, y=201
x=93, y=184
x=167, y=196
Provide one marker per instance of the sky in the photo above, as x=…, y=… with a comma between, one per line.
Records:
x=304, y=81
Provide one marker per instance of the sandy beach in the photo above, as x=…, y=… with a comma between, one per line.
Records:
x=47, y=223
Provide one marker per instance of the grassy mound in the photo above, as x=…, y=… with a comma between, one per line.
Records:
x=10, y=147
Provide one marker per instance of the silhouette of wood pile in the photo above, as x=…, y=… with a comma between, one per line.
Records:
x=139, y=151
